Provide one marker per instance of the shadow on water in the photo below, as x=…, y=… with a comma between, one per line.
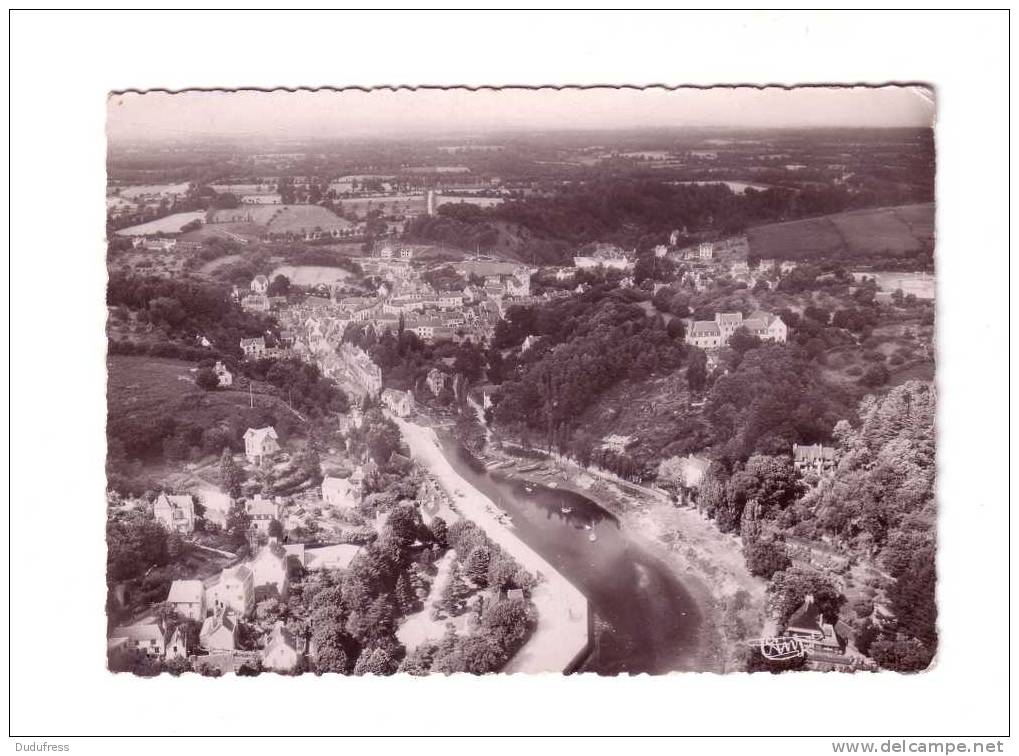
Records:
x=645, y=621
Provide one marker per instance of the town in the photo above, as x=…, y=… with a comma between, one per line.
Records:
x=361, y=404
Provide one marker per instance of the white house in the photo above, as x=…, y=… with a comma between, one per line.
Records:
x=138, y=640
x=400, y=403
x=232, y=589
x=711, y=334
x=269, y=569
x=256, y=303
x=226, y=378
x=436, y=380
x=260, y=443
x=219, y=632
x=176, y=513
x=176, y=646
x=767, y=327
x=282, y=650
x=253, y=348
x=187, y=597
x=262, y=512
x=260, y=284
x=339, y=492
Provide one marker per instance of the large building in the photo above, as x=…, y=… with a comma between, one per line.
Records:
x=357, y=367
x=712, y=334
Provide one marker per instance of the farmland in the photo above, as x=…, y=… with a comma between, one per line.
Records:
x=469, y=200
x=171, y=224
x=282, y=219
x=892, y=232
x=310, y=275
x=162, y=190
x=397, y=204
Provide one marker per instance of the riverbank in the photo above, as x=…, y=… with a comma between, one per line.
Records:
x=561, y=634
x=709, y=563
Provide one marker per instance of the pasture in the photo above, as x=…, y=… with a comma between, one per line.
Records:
x=171, y=224
x=311, y=275
x=282, y=219
x=887, y=231
x=478, y=201
x=149, y=390
x=149, y=190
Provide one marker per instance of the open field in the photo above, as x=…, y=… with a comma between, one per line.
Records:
x=310, y=275
x=239, y=189
x=888, y=231
x=921, y=285
x=478, y=201
x=397, y=204
x=149, y=389
x=171, y=224
x=281, y=219
x=165, y=190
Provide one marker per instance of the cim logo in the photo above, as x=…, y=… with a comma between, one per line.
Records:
x=781, y=648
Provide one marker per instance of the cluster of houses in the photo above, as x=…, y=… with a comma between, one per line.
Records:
x=819, y=641
x=712, y=334
x=222, y=603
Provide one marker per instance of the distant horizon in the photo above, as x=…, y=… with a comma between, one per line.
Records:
x=386, y=113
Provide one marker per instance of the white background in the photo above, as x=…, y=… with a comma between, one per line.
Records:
x=63, y=64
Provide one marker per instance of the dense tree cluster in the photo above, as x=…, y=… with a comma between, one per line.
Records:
x=185, y=309
x=774, y=398
x=589, y=344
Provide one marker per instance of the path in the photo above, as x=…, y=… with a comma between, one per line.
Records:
x=419, y=627
x=562, y=630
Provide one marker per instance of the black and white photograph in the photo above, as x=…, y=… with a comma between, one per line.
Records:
x=422, y=382
x=429, y=375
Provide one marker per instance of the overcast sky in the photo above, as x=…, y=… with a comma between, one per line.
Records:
x=357, y=113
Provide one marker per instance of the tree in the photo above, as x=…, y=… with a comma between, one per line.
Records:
x=791, y=586
x=476, y=565
x=765, y=558
x=238, y=523
x=875, y=375
x=901, y=654
x=696, y=369
x=275, y=528
x=404, y=595
x=231, y=475
x=455, y=593
x=439, y=532
x=207, y=379
x=279, y=286
x=372, y=661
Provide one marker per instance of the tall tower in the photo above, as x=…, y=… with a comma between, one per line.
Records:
x=430, y=202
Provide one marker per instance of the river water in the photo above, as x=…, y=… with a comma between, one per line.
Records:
x=645, y=621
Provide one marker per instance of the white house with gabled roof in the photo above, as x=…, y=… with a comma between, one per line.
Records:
x=260, y=443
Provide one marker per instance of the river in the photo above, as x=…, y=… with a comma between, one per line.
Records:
x=644, y=619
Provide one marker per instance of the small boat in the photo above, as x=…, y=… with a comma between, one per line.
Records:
x=565, y=509
x=592, y=537
x=587, y=526
x=529, y=489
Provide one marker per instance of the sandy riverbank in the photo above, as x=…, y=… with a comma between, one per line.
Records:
x=709, y=563
x=562, y=630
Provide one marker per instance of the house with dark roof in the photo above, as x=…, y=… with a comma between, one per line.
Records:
x=219, y=632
